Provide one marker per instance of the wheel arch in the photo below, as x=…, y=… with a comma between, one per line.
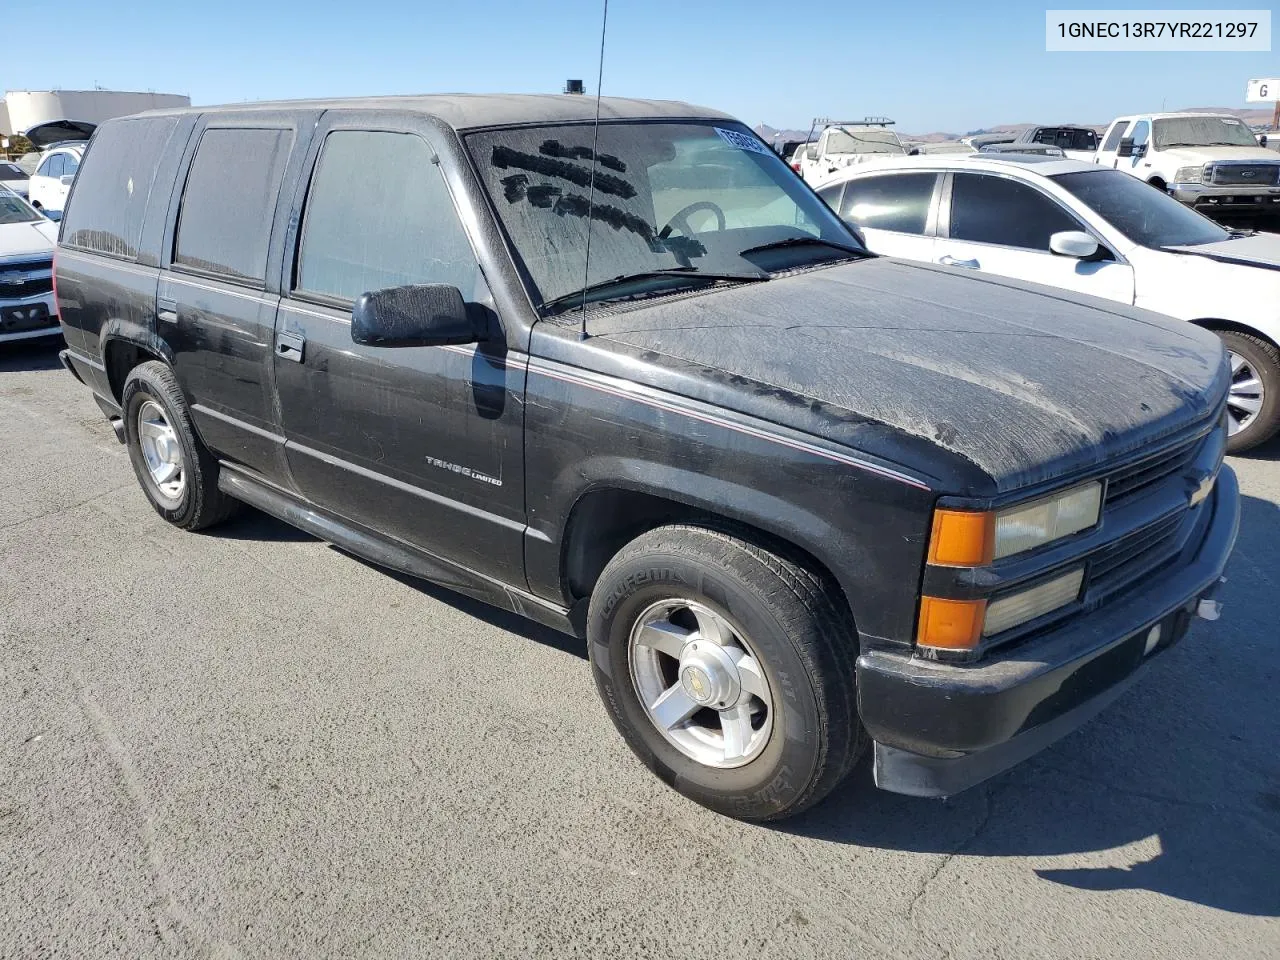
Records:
x=124, y=345
x=1217, y=324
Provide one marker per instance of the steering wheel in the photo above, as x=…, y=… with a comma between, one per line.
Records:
x=681, y=220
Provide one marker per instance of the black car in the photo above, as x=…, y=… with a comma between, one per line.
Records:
x=799, y=501
x=13, y=177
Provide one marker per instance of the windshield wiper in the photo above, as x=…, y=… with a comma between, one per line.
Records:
x=680, y=273
x=804, y=242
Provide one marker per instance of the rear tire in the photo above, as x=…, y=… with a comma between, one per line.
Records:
x=176, y=471
x=778, y=728
x=1254, y=401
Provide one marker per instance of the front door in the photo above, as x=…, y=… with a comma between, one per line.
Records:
x=1002, y=226
x=424, y=444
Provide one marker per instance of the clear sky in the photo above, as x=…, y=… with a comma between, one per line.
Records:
x=951, y=65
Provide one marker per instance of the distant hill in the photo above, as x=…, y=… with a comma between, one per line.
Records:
x=1255, y=117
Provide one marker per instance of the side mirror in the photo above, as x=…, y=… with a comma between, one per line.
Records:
x=913, y=152
x=855, y=230
x=1073, y=243
x=66, y=179
x=1125, y=149
x=422, y=315
x=811, y=152
x=1262, y=140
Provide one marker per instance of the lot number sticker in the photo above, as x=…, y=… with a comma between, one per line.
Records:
x=742, y=141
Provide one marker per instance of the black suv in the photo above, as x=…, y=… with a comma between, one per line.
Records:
x=797, y=499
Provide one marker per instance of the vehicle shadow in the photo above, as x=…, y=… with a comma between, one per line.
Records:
x=40, y=354
x=1185, y=761
x=251, y=524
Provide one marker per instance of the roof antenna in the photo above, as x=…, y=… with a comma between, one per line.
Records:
x=591, y=193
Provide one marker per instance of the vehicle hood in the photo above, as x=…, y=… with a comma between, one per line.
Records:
x=1205, y=154
x=24, y=239
x=58, y=131
x=1259, y=250
x=1027, y=383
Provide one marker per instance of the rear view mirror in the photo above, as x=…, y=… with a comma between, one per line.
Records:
x=1073, y=243
x=422, y=315
x=1125, y=149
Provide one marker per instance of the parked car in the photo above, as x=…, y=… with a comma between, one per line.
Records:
x=63, y=144
x=1078, y=143
x=26, y=271
x=798, y=500
x=1091, y=230
x=13, y=177
x=1025, y=149
x=846, y=144
x=1209, y=162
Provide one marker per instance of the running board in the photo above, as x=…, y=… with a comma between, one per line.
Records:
x=394, y=556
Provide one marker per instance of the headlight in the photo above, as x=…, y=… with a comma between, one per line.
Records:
x=1190, y=175
x=972, y=538
x=1026, y=605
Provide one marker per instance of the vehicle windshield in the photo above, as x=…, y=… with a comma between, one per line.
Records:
x=1202, y=132
x=29, y=161
x=672, y=196
x=1148, y=217
x=11, y=171
x=846, y=140
x=13, y=209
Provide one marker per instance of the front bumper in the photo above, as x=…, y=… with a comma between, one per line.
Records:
x=16, y=322
x=1207, y=196
x=941, y=728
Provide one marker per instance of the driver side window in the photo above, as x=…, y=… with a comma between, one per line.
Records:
x=1141, y=131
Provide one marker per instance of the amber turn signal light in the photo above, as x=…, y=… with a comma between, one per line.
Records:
x=962, y=538
x=950, y=624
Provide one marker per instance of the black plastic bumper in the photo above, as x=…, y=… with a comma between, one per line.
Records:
x=942, y=728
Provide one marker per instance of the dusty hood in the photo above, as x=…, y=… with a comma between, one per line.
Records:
x=1194, y=155
x=1024, y=382
x=1259, y=250
x=25, y=239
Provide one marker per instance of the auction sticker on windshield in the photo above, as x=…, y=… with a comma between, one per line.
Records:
x=742, y=141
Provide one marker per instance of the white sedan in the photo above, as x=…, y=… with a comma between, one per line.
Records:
x=1090, y=229
x=26, y=271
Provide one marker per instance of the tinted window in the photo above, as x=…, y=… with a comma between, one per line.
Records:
x=1149, y=217
x=1114, y=135
x=11, y=171
x=996, y=210
x=899, y=202
x=111, y=194
x=52, y=167
x=378, y=215
x=831, y=195
x=230, y=198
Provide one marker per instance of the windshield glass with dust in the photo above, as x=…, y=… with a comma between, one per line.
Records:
x=1202, y=132
x=668, y=196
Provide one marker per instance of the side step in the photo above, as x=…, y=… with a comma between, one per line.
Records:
x=388, y=553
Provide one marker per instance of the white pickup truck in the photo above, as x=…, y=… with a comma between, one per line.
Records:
x=845, y=143
x=1208, y=161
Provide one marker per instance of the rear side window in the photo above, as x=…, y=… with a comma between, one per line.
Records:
x=51, y=167
x=109, y=202
x=379, y=215
x=224, y=224
x=996, y=210
x=898, y=202
x=1114, y=135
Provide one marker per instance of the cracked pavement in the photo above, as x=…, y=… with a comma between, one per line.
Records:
x=251, y=745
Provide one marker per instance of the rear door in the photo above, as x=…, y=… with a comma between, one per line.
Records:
x=215, y=306
x=42, y=190
x=894, y=211
x=999, y=225
x=424, y=444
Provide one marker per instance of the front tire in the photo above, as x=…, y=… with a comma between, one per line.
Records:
x=728, y=670
x=1253, y=405
x=176, y=471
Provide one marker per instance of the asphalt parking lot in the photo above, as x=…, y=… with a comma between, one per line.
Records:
x=248, y=744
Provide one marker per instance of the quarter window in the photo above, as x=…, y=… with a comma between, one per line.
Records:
x=379, y=215
x=899, y=202
x=224, y=225
x=1001, y=211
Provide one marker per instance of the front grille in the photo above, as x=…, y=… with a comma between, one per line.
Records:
x=1131, y=558
x=25, y=278
x=1247, y=174
x=1148, y=472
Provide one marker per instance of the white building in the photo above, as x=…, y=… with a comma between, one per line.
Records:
x=23, y=109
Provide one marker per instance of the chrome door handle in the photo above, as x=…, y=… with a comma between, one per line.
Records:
x=289, y=346
x=953, y=262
